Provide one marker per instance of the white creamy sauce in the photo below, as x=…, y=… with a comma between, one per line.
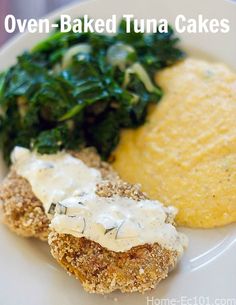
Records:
x=54, y=177
x=117, y=223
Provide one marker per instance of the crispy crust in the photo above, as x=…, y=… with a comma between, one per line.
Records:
x=23, y=213
x=120, y=188
x=103, y=271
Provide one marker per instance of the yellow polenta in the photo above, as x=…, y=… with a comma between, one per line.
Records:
x=185, y=154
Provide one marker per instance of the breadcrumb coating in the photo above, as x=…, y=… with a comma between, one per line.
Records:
x=101, y=270
x=23, y=213
x=120, y=188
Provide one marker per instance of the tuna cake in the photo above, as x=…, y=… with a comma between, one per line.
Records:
x=23, y=212
x=185, y=154
x=116, y=239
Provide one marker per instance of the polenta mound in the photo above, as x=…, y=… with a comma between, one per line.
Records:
x=185, y=154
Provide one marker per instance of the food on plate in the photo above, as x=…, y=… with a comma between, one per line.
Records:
x=134, y=244
x=23, y=212
x=71, y=92
x=104, y=231
x=79, y=89
x=185, y=154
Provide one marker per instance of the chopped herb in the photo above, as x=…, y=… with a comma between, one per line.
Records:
x=118, y=229
x=61, y=209
x=79, y=89
x=109, y=230
x=82, y=232
x=52, y=208
x=139, y=225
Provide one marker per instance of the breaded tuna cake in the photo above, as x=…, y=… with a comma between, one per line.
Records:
x=23, y=212
x=101, y=270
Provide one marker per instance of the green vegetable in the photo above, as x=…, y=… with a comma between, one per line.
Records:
x=74, y=90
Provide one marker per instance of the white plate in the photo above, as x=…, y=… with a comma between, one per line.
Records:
x=29, y=275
